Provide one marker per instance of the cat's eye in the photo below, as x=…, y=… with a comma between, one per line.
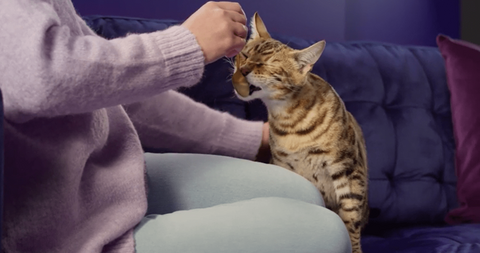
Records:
x=244, y=55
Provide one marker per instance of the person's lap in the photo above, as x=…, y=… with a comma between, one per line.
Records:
x=203, y=203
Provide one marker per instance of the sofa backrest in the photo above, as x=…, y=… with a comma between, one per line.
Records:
x=399, y=96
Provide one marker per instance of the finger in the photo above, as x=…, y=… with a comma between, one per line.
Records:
x=240, y=30
x=239, y=18
x=238, y=44
x=231, y=6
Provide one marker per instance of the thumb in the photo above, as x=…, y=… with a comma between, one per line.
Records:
x=232, y=53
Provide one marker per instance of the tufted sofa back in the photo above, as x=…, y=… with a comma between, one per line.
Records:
x=399, y=96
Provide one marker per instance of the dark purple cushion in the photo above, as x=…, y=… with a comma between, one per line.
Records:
x=462, y=62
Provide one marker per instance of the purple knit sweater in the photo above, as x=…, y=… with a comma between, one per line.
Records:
x=77, y=110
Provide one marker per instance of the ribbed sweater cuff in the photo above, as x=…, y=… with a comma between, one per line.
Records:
x=240, y=138
x=184, y=59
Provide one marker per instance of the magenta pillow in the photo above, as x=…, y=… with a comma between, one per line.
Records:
x=462, y=62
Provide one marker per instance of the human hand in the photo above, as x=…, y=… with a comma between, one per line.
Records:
x=220, y=29
x=264, y=150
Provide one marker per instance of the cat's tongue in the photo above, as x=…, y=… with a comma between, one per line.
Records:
x=240, y=84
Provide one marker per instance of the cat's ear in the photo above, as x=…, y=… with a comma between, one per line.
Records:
x=258, y=28
x=308, y=56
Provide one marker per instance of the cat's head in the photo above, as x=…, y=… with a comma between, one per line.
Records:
x=270, y=70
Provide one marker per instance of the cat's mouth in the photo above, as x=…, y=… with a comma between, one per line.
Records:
x=241, y=85
x=253, y=89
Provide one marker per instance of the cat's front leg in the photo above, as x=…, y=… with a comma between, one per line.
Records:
x=352, y=222
x=351, y=201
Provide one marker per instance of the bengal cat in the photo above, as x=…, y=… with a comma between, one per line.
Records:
x=311, y=132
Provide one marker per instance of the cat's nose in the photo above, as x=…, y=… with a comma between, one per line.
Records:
x=245, y=70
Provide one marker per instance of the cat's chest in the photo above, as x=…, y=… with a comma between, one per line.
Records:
x=293, y=144
x=300, y=161
x=312, y=167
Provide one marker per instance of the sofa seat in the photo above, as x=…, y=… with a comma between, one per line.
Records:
x=432, y=239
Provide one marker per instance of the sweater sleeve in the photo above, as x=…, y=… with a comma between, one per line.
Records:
x=173, y=121
x=50, y=67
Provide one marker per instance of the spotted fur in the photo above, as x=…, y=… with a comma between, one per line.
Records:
x=311, y=132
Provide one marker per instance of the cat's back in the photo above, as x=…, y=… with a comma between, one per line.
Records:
x=314, y=114
x=316, y=130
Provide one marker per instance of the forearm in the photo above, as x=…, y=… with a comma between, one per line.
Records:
x=173, y=121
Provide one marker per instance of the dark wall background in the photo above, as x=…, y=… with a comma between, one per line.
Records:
x=415, y=22
x=470, y=20
x=397, y=21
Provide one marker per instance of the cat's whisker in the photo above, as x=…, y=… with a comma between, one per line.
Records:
x=229, y=60
x=229, y=76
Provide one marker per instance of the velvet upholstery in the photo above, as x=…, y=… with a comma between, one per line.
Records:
x=399, y=95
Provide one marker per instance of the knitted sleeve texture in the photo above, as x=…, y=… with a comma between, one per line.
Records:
x=50, y=69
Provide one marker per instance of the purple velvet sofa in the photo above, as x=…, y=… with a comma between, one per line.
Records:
x=399, y=95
